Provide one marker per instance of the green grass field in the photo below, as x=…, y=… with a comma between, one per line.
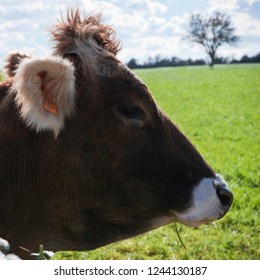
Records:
x=219, y=110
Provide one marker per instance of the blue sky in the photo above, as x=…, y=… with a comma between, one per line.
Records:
x=146, y=28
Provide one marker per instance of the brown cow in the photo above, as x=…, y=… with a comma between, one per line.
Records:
x=87, y=157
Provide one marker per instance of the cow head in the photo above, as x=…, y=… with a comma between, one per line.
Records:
x=116, y=166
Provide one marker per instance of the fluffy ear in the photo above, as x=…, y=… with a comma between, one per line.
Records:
x=45, y=92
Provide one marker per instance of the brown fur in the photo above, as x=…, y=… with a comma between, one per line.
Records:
x=12, y=62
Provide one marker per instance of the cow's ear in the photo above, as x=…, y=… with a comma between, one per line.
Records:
x=45, y=92
x=12, y=62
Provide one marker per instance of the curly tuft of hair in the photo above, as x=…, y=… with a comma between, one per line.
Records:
x=73, y=32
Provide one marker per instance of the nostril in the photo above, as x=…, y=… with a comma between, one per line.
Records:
x=225, y=198
x=224, y=194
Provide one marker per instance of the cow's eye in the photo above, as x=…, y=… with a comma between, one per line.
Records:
x=132, y=112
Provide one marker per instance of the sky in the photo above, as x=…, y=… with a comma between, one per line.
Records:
x=146, y=28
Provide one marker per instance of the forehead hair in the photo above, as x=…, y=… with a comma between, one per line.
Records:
x=93, y=43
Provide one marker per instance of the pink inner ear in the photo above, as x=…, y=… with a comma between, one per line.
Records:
x=48, y=104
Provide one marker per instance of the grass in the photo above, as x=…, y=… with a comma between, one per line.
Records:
x=219, y=110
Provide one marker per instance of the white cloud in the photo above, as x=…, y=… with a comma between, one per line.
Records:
x=223, y=5
x=148, y=7
x=156, y=7
x=246, y=25
x=39, y=5
x=175, y=25
x=157, y=21
x=251, y=2
x=130, y=24
x=107, y=8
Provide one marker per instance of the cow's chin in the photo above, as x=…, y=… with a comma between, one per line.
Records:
x=207, y=203
x=195, y=223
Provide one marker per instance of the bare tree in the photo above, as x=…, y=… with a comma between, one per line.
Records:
x=211, y=32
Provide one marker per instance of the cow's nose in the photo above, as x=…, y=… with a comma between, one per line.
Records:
x=224, y=194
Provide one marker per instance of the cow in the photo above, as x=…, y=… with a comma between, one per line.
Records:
x=87, y=156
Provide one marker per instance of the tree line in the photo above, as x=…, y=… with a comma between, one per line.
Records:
x=175, y=61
